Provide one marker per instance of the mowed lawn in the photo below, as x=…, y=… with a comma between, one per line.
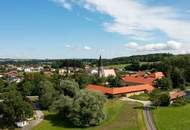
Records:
x=120, y=116
x=172, y=118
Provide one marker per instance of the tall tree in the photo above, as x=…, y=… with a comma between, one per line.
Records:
x=84, y=111
x=47, y=93
x=164, y=83
x=69, y=88
x=14, y=108
x=177, y=78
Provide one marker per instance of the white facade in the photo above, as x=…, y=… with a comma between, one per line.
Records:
x=62, y=71
x=19, y=68
x=94, y=71
x=21, y=124
x=27, y=70
x=109, y=72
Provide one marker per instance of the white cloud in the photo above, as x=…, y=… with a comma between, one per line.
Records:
x=139, y=21
x=169, y=46
x=131, y=45
x=136, y=19
x=68, y=46
x=87, y=48
x=174, y=45
x=88, y=19
x=64, y=3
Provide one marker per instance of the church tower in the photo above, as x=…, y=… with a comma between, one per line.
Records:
x=100, y=68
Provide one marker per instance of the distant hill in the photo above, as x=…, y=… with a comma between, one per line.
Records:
x=79, y=62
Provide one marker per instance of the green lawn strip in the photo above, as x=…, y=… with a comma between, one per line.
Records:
x=187, y=87
x=172, y=118
x=120, y=116
x=143, y=97
x=119, y=66
x=141, y=121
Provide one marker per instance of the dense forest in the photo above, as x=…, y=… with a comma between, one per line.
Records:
x=139, y=58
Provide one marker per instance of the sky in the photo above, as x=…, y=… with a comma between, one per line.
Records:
x=88, y=28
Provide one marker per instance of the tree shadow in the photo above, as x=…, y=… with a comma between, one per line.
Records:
x=6, y=125
x=56, y=120
x=142, y=107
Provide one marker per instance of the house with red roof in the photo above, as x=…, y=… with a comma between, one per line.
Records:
x=135, y=84
x=11, y=74
x=176, y=94
x=142, y=78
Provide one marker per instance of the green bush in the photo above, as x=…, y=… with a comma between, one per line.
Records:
x=181, y=101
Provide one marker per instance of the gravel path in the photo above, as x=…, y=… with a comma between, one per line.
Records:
x=35, y=122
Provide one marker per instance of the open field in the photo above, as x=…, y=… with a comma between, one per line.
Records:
x=121, y=116
x=172, y=118
x=119, y=66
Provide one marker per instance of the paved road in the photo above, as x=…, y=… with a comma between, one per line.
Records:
x=148, y=119
x=147, y=114
x=35, y=122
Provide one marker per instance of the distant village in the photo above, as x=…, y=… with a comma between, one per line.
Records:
x=134, y=82
x=110, y=81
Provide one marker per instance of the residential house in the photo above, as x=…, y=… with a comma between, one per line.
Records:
x=174, y=94
x=62, y=71
x=142, y=78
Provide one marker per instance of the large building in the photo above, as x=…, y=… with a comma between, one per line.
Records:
x=121, y=91
x=138, y=83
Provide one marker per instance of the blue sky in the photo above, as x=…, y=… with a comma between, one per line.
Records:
x=88, y=28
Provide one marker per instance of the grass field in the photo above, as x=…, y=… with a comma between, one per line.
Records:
x=172, y=118
x=119, y=66
x=143, y=97
x=121, y=116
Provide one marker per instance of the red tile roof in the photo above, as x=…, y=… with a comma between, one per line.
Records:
x=157, y=75
x=120, y=90
x=175, y=94
x=143, y=79
x=11, y=74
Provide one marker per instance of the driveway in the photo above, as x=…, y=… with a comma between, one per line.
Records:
x=33, y=123
x=147, y=114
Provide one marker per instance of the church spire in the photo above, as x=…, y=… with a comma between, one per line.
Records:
x=100, y=67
